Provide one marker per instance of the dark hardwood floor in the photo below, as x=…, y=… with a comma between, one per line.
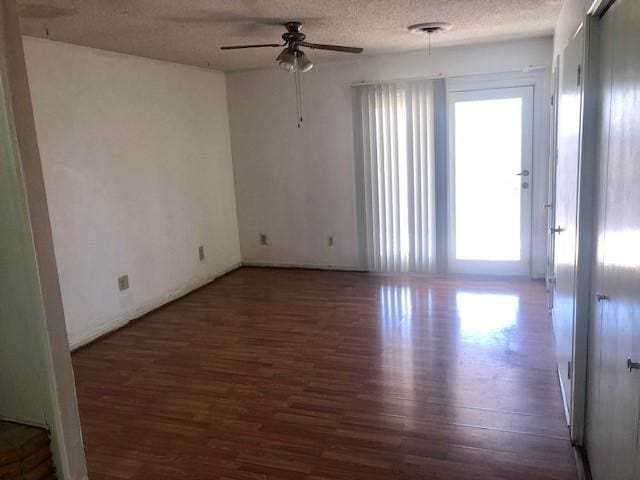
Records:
x=293, y=374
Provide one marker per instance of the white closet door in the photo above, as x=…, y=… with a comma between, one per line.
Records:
x=567, y=172
x=599, y=390
x=614, y=394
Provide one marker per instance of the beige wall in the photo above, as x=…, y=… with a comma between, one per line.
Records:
x=137, y=166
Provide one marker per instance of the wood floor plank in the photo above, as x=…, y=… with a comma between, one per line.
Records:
x=317, y=375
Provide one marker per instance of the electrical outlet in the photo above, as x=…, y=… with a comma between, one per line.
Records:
x=330, y=240
x=263, y=239
x=123, y=282
x=201, y=253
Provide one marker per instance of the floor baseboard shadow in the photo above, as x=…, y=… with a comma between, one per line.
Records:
x=582, y=463
x=123, y=323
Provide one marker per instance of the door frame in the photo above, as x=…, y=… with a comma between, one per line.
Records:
x=524, y=266
x=568, y=171
x=586, y=241
x=551, y=192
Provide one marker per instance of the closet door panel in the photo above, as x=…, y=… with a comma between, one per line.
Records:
x=619, y=410
x=569, y=122
x=599, y=392
x=622, y=245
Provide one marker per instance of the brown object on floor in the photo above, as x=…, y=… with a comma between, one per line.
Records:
x=24, y=453
x=317, y=375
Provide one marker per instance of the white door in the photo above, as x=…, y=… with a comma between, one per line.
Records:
x=614, y=389
x=567, y=172
x=490, y=172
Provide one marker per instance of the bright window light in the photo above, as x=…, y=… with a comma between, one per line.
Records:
x=488, y=155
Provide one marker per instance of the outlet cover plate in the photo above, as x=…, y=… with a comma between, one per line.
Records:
x=123, y=282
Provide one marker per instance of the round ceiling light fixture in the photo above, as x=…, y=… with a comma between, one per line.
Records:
x=430, y=27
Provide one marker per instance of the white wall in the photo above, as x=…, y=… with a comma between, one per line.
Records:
x=297, y=185
x=137, y=165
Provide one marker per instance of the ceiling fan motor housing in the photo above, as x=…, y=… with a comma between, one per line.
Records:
x=293, y=35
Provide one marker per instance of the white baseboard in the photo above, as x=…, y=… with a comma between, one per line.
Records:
x=118, y=322
x=310, y=266
x=564, y=397
x=342, y=268
x=22, y=421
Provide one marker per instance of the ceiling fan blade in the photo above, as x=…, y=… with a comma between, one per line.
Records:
x=236, y=47
x=334, y=48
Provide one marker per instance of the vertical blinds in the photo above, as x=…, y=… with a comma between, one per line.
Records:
x=397, y=146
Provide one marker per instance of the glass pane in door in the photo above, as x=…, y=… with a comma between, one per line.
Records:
x=487, y=194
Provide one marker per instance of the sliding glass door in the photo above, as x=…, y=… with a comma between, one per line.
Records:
x=490, y=171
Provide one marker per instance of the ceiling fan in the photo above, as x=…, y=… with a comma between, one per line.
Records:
x=292, y=59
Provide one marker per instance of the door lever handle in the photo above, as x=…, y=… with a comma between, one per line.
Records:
x=523, y=173
x=548, y=205
x=556, y=229
x=601, y=297
x=632, y=365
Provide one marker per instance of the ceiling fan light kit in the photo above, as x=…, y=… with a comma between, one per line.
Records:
x=304, y=64
x=287, y=60
x=294, y=60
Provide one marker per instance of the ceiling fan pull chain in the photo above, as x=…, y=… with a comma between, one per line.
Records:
x=299, y=97
x=297, y=81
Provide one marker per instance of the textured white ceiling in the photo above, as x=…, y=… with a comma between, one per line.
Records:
x=191, y=31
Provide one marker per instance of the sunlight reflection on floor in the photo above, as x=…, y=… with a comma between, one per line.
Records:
x=485, y=315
